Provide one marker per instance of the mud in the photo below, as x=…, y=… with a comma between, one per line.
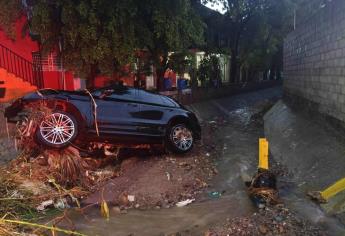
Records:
x=158, y=180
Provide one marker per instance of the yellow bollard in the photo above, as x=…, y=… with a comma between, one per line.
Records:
x=263, y=154
x=333, y=190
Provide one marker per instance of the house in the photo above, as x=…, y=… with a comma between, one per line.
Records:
x=23, y=69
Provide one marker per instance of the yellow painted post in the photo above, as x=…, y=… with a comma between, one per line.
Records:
x=334, y=189
x=263, y=154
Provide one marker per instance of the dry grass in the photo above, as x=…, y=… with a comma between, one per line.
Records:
x=7, y=229
x=38, y=175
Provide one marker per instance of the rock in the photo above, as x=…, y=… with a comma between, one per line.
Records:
x=131, y=198
x=123, y=199
x=116, y=210
x=124, y=211
x=61, y=204
x=44, y=205
x=263, y=229
x=281, y=229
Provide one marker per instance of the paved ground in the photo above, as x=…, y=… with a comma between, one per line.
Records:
x=313, y=151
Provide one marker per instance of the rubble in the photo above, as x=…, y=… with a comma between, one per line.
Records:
x=73, y=177
x=185, y=202
x=44, y=205
x=316, y=196
x=269, y=221
x=263, y=189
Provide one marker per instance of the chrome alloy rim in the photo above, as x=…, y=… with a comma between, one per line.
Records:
x=182, y=138
x=57, y=128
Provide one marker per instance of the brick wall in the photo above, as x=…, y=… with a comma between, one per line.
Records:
x=314, y=60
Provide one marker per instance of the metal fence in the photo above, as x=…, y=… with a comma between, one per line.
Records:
x=20, y=67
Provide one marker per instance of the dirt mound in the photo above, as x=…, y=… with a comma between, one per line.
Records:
x=157, y=181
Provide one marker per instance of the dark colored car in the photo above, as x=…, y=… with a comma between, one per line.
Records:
x=115, y=114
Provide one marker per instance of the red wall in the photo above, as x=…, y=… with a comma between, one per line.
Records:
x=53, y=80
x=23, y=46
x=69, y=80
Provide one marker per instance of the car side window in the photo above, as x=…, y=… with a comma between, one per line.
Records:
x=127, y=94
x=151, y=98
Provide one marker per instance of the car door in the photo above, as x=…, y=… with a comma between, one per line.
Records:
x=116, y=112
x=153, y=115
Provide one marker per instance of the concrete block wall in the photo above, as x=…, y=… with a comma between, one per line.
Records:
x=314, y=60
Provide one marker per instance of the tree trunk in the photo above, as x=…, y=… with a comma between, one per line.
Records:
x=234, y=59
x=160, y=70
x=233, y=66
x=90, y=80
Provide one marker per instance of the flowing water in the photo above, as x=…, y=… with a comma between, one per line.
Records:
x=239, y=140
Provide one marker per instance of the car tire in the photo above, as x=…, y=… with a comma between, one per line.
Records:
x=179, y=138
x=57, y=130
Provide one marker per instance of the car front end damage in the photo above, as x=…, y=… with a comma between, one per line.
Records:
x=12, y=112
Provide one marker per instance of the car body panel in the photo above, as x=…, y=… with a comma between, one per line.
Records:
x=123, y=114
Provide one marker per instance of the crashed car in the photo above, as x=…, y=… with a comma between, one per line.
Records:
x=114, y=114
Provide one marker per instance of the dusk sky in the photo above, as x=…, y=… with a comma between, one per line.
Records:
x=217, y=7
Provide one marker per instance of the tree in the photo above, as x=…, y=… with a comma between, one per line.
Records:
x=209, y=71
x=100, y=36
x=171, y=26
x=255, y=30
x=9, y=14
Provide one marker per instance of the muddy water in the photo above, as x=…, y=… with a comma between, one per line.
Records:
x=238, y=161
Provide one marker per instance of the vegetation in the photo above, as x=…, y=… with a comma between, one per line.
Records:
x=9, y=14
x=254, y=32
x=100, y=36
x=209, y=72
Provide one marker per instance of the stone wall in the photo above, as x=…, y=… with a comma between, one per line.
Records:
x=314, y=60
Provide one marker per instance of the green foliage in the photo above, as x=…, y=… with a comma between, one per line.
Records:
x=209, y=70
x=255, y=31
x=9, y=14
x=180, y=62
x=103, y=35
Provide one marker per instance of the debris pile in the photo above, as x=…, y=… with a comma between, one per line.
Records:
x=171, y=180
x=276, y=220
x=51, y=180
x=263, y=189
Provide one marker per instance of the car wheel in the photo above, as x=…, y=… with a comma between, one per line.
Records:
x=180, y=138
x=57, y=130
